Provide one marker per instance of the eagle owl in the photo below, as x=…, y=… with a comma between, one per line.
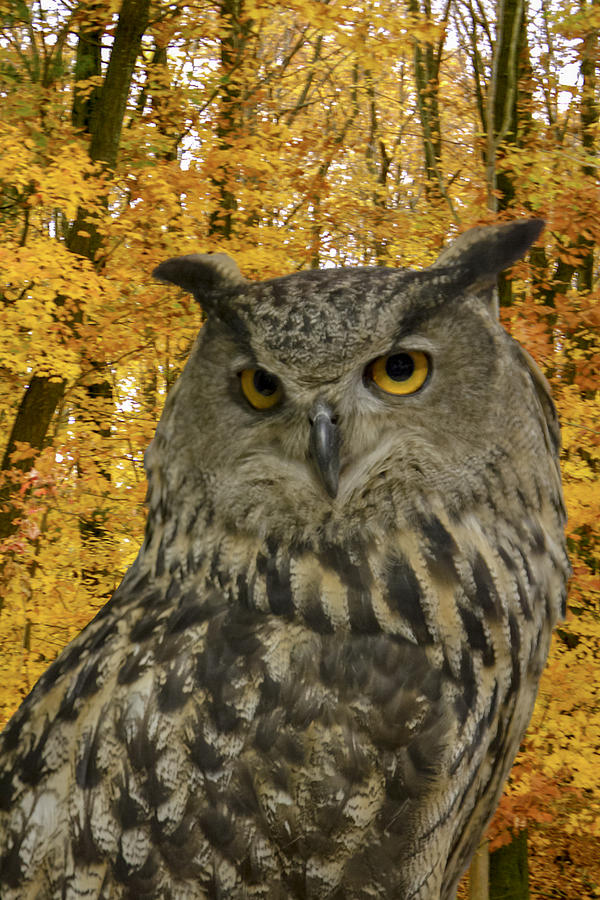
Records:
x=313, y=680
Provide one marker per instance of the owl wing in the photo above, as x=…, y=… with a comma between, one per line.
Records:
x=547, y=407
x=186, y=746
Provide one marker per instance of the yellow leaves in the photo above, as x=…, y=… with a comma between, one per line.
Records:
x=86, y=86
x=562, y=746
x=563, y=742
x=583, y=498
x=63, y=181
x=23, y=451
x=16, y=157
x=58, y=188
x=578, y=20
x=314, y=131
x=44, y=285
x=46, y=598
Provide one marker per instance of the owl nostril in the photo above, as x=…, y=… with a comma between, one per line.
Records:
x=312, y=419
x=320, y=408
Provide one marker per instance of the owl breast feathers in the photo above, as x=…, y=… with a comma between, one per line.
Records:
x=314, y=679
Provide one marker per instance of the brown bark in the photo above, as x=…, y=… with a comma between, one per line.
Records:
x=236, y=33
x=44, y=392
x=30, y=426
x=109, y=112
x=503, y=97
x=506, y=109
x=88, y=64
x=479, y=874
x=589, y=116
x=427, y=59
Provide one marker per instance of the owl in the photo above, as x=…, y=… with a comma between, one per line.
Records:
x=313, y=680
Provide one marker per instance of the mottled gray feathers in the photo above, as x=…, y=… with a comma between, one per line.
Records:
x=313, y=681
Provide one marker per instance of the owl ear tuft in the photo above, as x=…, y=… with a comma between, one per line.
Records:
x=481, y=253
x=201, y=274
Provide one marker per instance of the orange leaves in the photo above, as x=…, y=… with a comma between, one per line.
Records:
x=557, y=775
x=527, y=801
x=323, y=164
x=22, y=452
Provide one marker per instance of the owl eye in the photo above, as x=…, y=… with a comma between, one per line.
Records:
x=399, y=373
x=261, y=389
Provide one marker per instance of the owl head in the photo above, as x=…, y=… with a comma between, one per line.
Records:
x=346, y=397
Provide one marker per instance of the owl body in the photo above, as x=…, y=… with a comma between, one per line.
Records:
x=315, y=677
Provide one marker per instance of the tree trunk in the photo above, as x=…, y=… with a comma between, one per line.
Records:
x=503, y=100
x=44, y=392
x=509, y=874
x=88, y=64
x=30, y=426
x=235, y=33
x=109, y=112
x=590, y=114
x=479, y=874
x=504, y=110
x=427, y=69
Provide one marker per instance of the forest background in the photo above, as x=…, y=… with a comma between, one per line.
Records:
x=290, y=135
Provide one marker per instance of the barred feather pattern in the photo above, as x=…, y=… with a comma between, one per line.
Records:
x=289, y=697
x=283, y=724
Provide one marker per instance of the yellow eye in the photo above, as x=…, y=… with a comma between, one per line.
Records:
x=400, y=373
x=261, y=389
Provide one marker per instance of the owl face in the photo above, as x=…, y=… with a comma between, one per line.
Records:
x=343, y=394
x=348, y=398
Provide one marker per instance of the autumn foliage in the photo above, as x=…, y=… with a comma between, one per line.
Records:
x=288, y=135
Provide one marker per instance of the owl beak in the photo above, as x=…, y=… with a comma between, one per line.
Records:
x=324, y=446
